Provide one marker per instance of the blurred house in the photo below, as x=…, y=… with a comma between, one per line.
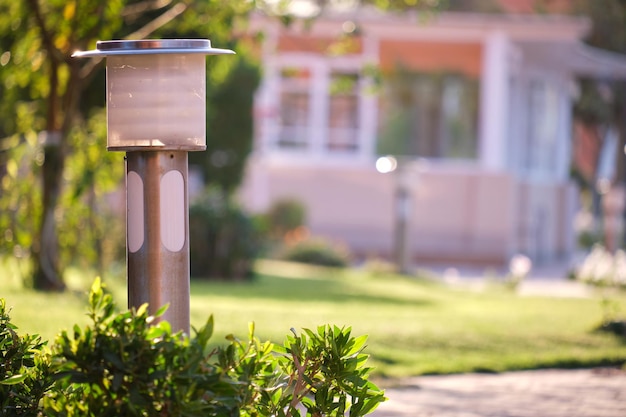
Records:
x=477, y=109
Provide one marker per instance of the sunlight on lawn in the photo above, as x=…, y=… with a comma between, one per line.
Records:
x=415, y=325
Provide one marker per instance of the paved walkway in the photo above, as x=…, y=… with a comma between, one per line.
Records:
x=543, y=393
x=547, y=280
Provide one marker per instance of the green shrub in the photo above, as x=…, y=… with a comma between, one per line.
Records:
x=588, y=239
x=24, y=370
x=317, y=252
x=131, y=364
x=223, y=240
x=126, y=365
x=285, y=215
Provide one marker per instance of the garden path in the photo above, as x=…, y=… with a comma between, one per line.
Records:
x=597, y=392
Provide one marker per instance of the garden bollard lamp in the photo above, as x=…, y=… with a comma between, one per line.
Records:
x=156, y=113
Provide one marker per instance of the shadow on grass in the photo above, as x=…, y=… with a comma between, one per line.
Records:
x=615, y=327
x=302, y=290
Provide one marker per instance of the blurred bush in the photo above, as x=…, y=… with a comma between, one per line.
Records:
x=316, y=251
x=286, y=237
x=606, y=271
x=284, y=216
x=223, y=239
x=588, y=239
x=602, y=268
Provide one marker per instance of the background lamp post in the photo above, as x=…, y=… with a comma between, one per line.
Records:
x=156, y=113
x=404, y=178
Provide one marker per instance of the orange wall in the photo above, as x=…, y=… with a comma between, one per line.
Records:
x=431, y=56
x=422, y=56
x=303, y=43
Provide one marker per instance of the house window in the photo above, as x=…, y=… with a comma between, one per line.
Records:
x=294, y=109
x=543, y=111
x=429, y=115
x=343, y=113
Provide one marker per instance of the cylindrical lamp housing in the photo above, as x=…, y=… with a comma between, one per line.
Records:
x=156, y=93
x=156, y=102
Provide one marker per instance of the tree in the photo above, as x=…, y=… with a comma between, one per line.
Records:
x=229, y=128
x=48, y=96
x=602, y=103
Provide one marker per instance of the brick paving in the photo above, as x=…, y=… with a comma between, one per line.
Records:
x=541, y=393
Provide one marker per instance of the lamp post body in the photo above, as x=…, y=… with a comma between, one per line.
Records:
x=157, y=233
x=401, y=228
x=156, y=113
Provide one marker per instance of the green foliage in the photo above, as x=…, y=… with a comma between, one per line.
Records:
x=92, y=176
x=229, y=125
x=19, y=210
x=316, y=251
x=131, y=364
x=326, y=375
x=125, y=364
x=89, y=178
x=282, y=224
x=283, y=216
x=607, y=272
x=587, y=239
x=222, y=238
x=59, y=187
x=24, y=369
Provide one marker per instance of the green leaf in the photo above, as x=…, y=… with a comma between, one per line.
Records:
x=15, y=379
x=142, y=309
x=161, y=310
x=205, y=333
x=155, y=332
x=359, y=344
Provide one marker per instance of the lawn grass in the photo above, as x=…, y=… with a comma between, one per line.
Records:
x=415, y=326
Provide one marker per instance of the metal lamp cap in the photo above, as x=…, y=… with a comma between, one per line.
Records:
x=151, y=47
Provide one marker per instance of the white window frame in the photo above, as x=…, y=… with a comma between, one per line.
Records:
x=320, y=68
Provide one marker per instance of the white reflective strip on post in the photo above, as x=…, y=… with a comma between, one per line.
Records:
x=173, y=211
x=135, y=215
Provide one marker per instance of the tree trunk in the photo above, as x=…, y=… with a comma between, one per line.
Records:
x=47, y=275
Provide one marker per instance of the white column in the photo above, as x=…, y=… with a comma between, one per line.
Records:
x=318, y=108
x=564, y=136
x=267, y=107
x=267, y=97
x=368, y=109
x=494, y=101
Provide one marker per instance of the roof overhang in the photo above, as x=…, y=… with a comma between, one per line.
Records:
x=577, y=58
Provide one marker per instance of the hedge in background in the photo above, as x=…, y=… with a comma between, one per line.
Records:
x=316, y=251
x=222, y=238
